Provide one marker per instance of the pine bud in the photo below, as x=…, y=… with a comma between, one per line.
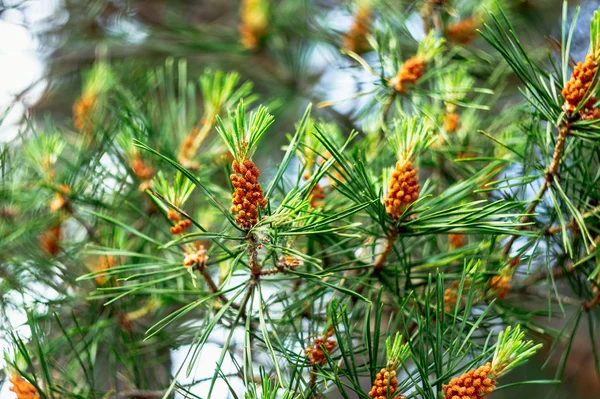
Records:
x=450, y=297
x=248, y=196
x=385, y=385
x=355, y=39
x=457, y=240
x=106, y=262
x=501, y=284
x=315, y=353
x=317, y=195
x=451, y=122
x=50, y=240
x=173, y=215
x=403, y=188
x=463, y=31
x=577, y=88
x=181, y=226
x=409, y=73
x=83, y=112
x=254, y=23
x=473, y=384
x=140, y=169
x=23, y=388
x=197, y=258
x=60, y=199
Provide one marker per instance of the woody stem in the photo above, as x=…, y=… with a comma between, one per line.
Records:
x=552, y=171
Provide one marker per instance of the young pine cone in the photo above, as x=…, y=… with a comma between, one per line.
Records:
x=500, y=284
x=403, y=189
x=473, y=384
x=577, y=88
x=50, y=240
x=450, y=297
x=23, y=388
x=317, y=195
x=82, y=112
x=457, y=240
x=356, y=38
x=463, y=31
x=380, y=387
x=410, y=71
x=315, y=353
x=248, y=195
x=106, y=262
x=140, y=168
x=451, y=122
x=197, y=258
x=181, y=226
x=254, y=25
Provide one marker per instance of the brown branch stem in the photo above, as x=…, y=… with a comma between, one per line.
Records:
x=552, y=171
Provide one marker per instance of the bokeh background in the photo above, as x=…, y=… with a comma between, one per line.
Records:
x=45, y=45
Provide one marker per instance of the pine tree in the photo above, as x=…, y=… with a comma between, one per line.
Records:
x=423, y=244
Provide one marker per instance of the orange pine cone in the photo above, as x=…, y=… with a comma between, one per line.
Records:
x=474, y=384
x=317, y=195
x=23, y=388
x=577, y=88
x=50, y=240
x=82, y=112
x=463, y=31
x=457, y=240
x=500, y=284
x=451, y=122
x=356, y=38
x=173, y=215
x=106, y=262
x=410, y=71
x=197, y=258
x=403, y=189
x=248, y=196
x=385, y=382
x=450, y=297
x=181, y=226
x=254, y=25
x=315, y=353
x=140, y=169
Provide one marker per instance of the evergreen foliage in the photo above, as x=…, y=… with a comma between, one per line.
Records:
x=422, y=245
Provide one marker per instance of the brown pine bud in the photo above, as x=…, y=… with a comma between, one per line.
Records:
x=83, y=112
x=248, y=196
x=385, y=385
x=463, y=31
x=409, y=73
x=322, y=345
x=577, y=88
x=474, y=384
x=403, y=188
x=23, y=388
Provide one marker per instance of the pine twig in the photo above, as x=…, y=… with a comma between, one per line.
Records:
x=552, y=171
